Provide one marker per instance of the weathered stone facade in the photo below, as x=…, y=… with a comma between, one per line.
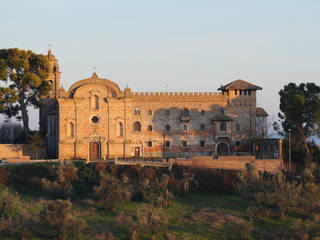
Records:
x=95, y=119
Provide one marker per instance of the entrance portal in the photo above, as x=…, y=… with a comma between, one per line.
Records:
x=222, y=149
x=137, y=151
x=94, y=151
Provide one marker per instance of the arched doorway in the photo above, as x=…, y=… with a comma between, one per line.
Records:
x=95, y=152
x=222, y=149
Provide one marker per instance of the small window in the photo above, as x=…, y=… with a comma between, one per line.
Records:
x=167, y=112
x=167, y=144
x=235, y=92
x=203, y=112
x=184, y=143
x=240, y=92
x=202, y=143
x=71, y=133
x=249, y=92
x=150, y=128
x=96, y=102
x=137, y=127
x=245, y=92
x=238, y=127
x=120, y=129
x=185, y=128
x=223, y=126
x=168, y=128
x=136, y=112
x=185, y=112
x=202, y=127
x=150, y=112
x=150, y=144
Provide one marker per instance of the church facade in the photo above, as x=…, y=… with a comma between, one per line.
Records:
x=95, y=119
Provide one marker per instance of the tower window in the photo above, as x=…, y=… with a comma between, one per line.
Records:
x=185, y=128
x=238, y=127
x=149, y=143
x=235, y=92
x=223, y=126
x=185, y=112
x=184, y=143
x=167, y=144
x=150, y=128
x=150, y=112
x=168, y=128
x=202, y=127
x=167, y=112
x=137, y=127
x=202, y=143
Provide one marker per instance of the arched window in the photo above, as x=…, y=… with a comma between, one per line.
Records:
x=223, y=126
x=150, y=128
x=120, y=129
x=136, y=127
x=185, y=128
x=71, y=130
x=167, y=112
x=96, y=102
x=150, y=112
x=168, y=128
x=137, y=111
x=185, y=112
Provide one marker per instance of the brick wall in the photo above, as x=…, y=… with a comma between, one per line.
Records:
x=232, y=162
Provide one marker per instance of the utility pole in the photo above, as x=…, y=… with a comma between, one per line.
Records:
x=289, y=149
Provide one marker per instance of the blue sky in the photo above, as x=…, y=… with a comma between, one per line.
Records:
x=187, y=45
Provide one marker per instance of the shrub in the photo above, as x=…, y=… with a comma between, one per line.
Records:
x=61, y=187
x=108, y=191
x=57, y=215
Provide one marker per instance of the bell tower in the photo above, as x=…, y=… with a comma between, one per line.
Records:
x=54, y=75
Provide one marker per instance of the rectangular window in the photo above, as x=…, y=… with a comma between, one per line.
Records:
x=249, y=92
x=202, y=127
x=235, y=92
x=167, y=144
x=184, y=144
x=202, y=143
x=150, y=144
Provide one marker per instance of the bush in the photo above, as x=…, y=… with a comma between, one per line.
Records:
x=108, y=191
x=56, y=215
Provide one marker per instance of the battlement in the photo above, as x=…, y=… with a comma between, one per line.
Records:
x=179, y=94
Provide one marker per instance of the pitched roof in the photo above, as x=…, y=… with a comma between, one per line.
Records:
x=239, y=84
x=260, y=112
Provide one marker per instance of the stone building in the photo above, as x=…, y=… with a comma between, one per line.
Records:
x=95, y=119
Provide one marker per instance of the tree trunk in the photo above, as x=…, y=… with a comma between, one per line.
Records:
x=282, y=214
x=134, y=235
x=306, y=147
x=25, y=118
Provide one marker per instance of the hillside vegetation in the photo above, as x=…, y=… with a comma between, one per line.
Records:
x=100, y=201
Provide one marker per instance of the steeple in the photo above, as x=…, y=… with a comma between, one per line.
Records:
x=54, y=74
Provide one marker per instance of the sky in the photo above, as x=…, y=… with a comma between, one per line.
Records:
x=173, y=45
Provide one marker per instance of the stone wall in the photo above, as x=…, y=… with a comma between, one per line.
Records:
x=24, y=151
x=232, y=163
